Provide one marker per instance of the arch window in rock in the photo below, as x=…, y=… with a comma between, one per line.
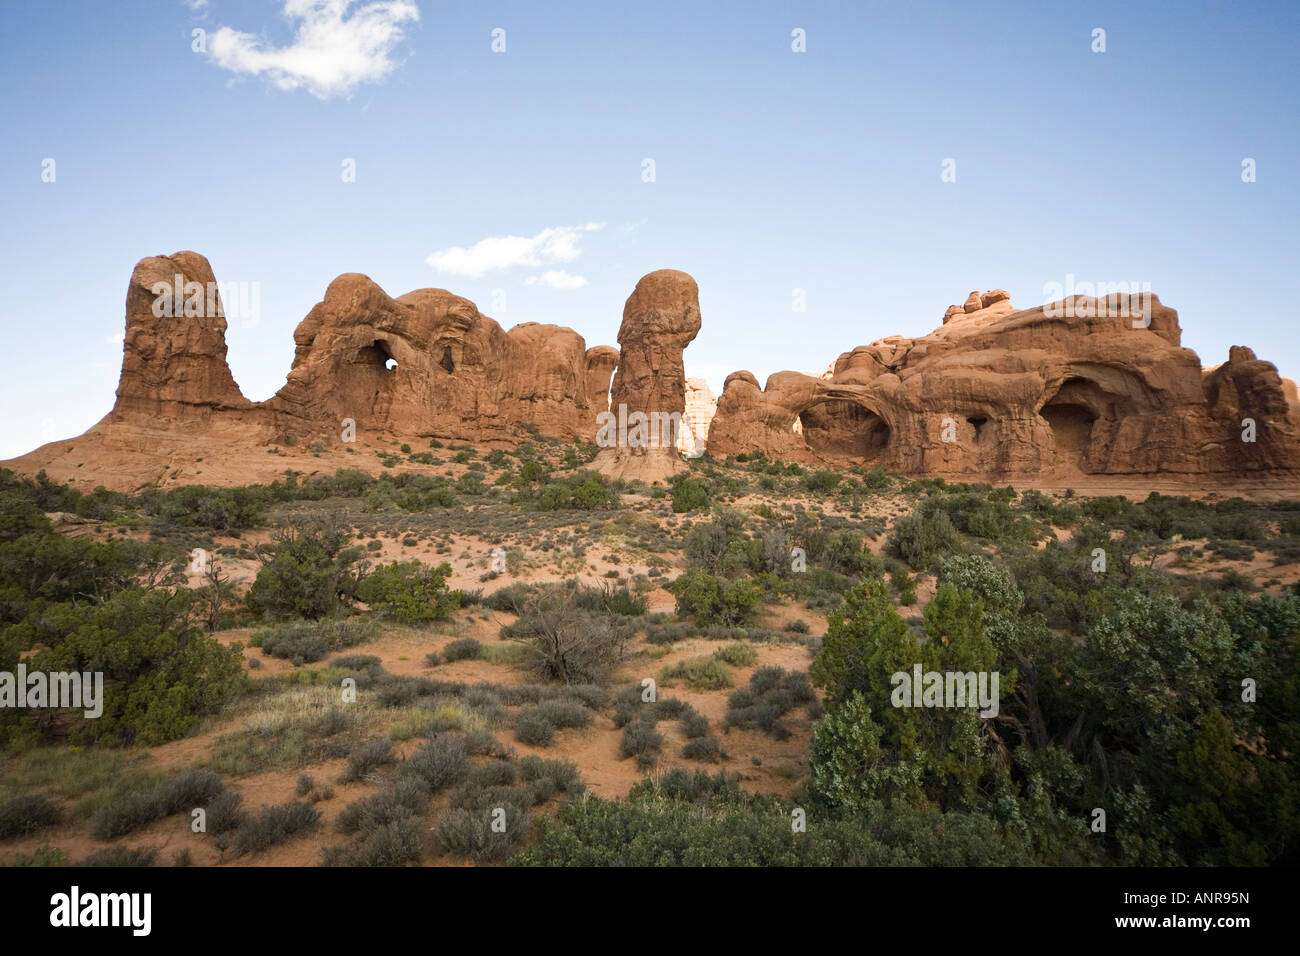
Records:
x=378, y=355
x=843, y=429
x=1070, y=414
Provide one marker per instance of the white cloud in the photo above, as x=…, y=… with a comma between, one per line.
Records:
x=116, y=339
x=558, y=244
x=330, y=54
x=557, y=279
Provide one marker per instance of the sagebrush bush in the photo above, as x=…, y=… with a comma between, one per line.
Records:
x=130, y=811
x=274, y=825
x=704, y=749
x=25, y=814
x=406, y=798
x=641, y=740
x=367, y=758
x=304, y=642
x=772, y=692
x=463, y=649
x=439, y=763
x=118, y=856
x=700, y=673
x=534, y=729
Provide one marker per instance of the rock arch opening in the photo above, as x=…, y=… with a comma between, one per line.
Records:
x=1071, y=413
x=378, y=355
x=843, y=429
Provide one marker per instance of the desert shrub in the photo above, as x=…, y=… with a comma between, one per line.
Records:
x=512, y=598
x=225, y=813
x=395, y=842
x=694, y=724
x=691, y=494
x=739, y=655
x=653, y=828
x=466, y=828
x=821, y=480
x=921, y=537
x=584, y=490
x=25, y=814
x=194, y=788
x=563, y=713
x=546, y=778
x=534, y=729
x=772, y=692
x=641, y=740
x=700, y=673
x=307, y=641
x=568, y=644
x=274, y=825
x=161, y=671
x=406, y=798
x=440, y=763
x=704, y=749
x=45, y=855
x=119, y=856
x=305, y=573
x=610, y=600
x=367, y=758
x=712, y=600
x=409, y=591
x=463, y=649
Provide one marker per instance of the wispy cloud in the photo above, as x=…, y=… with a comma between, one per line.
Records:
x=550, y=246
x=331, y=53
x=557, y=279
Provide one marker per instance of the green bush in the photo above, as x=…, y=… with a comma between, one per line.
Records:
x=409, y=591
x=712, y=600
x=306, y=573
x=700, y=673
x=923, y=536
x=691, y=494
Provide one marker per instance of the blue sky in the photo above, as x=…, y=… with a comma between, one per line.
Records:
x=774, y=170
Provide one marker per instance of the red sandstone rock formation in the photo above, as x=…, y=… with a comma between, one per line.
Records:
x=1069, y=388
x=1075, y=388
x=174, y=350
x=660, y=318
x=427, y=363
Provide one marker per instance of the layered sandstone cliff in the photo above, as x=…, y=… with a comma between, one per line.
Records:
x=1082, y=386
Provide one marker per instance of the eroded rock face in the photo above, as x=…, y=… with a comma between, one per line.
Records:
x=660, y=318
x=426, y=363
x=174, y=349
x=429, y=363
x=1082, y=386
x=1078, y=387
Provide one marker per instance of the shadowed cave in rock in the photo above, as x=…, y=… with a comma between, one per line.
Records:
x=839, y=428
x=377, y=354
